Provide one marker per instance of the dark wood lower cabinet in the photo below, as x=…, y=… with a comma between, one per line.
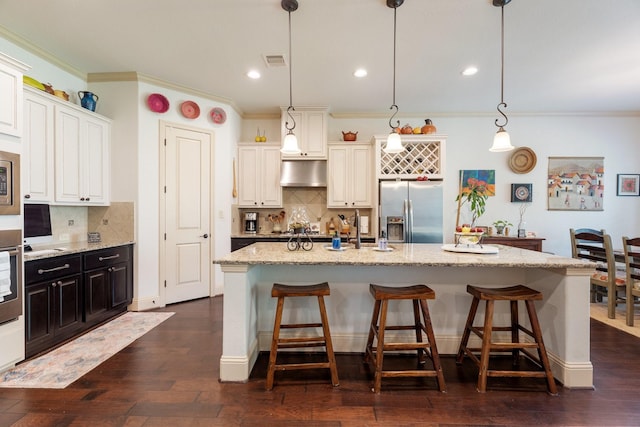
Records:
x=67, y=295
x=108, y=283
x=53, y=302
x=241, y=242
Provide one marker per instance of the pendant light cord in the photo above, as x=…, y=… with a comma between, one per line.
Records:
x=502, y=103
x=393, y=105
x=286, y=125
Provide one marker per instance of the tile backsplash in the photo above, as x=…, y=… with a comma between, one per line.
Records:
x=72, y=223
x=314, y=200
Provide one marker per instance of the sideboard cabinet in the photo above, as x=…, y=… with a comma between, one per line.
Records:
x=531, y=243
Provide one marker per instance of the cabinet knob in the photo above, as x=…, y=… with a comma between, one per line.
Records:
x=87, y=199
x=82, y=199
x=27, y=196
x=205, y=235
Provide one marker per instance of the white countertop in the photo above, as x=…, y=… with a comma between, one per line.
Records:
x=272, y=253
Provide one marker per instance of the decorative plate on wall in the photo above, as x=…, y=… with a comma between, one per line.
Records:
x=218, y=116
x=521, y=192
x=158, y=103
x=190, y=109
x=522, y=160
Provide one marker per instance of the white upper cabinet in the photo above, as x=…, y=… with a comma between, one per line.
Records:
x=350, y=179
x=38, y=148
x=81, y=157
x=259, y=176
x=66, y=152
x=11, y=109
x=310, y=130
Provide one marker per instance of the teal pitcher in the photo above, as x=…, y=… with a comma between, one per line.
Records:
x=88, y=100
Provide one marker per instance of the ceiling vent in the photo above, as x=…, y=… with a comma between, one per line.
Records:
x=275, y=60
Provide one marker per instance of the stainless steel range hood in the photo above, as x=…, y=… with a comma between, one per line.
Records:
x=303, y=173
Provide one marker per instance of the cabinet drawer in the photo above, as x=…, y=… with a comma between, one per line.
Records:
x=106, y=257
x=52, y=268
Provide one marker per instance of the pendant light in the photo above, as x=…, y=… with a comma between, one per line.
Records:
x=290, y=143
x=394, y=143
x=501, y=141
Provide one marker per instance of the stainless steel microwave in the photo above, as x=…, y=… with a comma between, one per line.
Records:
x=9, y=183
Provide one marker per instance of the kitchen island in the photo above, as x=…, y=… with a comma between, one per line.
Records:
x=250, y=272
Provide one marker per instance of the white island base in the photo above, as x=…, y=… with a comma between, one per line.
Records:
x=249, y=308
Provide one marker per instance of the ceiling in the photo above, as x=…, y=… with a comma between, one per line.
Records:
x=560, y=56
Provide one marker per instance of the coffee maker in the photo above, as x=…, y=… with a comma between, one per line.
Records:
x=250, y=222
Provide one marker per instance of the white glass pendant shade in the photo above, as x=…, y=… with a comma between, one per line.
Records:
x=394, y=144
x=290, y=144
x=502, y=141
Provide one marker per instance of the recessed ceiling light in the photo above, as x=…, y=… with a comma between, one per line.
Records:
x=469, y=71
x=360, y=72
x=253, y=74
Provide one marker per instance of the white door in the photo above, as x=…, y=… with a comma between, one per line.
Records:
x=187, y=169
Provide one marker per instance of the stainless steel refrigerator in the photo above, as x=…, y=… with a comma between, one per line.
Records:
x=411, y=211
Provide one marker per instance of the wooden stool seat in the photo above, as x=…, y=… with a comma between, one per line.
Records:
x=321, y=289
x=405, y=292
x=513, y=294
x=419, y=294
x=281, y=292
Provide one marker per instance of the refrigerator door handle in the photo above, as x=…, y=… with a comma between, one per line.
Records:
x=408, y=222
x=405, y=225
x=410, y=227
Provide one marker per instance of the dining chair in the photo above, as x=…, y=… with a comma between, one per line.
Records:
x=596, y=246
x=631, y=249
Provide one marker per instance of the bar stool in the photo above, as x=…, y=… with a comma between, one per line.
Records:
x=419, y=294
x=281, y=292
x=512, y=294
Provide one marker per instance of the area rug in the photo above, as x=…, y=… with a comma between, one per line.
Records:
x=599, y=313
x=64, y=365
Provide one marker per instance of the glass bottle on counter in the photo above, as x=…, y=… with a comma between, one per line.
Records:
x=382, y=242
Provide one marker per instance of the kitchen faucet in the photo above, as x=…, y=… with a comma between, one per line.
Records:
x=356, y=223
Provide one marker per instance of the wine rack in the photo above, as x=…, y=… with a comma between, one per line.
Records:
x=422, y=156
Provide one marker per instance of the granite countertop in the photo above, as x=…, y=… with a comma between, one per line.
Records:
x=68, y=248
x=272, y=253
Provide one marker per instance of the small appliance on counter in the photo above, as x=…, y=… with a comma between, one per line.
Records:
x=250, y=222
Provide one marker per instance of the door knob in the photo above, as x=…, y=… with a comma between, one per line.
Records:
x=205, y=235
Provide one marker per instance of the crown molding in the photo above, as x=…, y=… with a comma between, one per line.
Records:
x=30, y=47
x=131, y=76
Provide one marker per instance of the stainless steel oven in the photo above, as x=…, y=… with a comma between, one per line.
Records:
x=10, y=290
x=9, y=183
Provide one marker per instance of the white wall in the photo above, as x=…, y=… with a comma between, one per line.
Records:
x=468, y=140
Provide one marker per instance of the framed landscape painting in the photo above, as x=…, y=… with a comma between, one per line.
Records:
x=487, y=177
x=575, y=183
x=628, y=184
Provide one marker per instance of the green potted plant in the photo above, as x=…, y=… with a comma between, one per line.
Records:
x=475, y=195
x=501, y=224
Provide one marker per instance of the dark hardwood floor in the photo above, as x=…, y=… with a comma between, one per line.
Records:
x=169, y=377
